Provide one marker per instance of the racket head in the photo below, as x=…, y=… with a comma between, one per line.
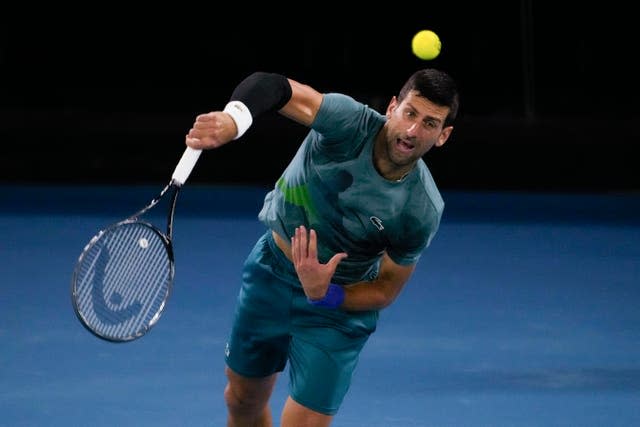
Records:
x=122, y=280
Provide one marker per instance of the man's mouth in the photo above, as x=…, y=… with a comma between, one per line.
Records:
x=405, y=145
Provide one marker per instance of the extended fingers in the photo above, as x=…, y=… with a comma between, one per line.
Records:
x=301, y=241
x=312, y=248
x=299, y=244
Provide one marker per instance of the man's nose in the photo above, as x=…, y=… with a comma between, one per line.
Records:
x=413, y=129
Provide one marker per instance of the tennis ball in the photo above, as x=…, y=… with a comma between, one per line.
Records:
x=426, y=45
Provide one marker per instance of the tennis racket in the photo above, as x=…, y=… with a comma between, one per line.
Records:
x=124, y=275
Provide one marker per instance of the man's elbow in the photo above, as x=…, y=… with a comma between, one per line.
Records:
x=385, y=298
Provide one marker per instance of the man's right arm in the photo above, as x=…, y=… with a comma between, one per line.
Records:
x=257, y=94
x=304, y=103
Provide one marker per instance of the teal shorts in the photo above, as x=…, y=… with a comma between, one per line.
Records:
x=274, y=324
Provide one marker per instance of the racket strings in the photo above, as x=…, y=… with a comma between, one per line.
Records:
x=123, y=281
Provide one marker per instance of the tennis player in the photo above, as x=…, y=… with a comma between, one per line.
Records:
x=346, y=222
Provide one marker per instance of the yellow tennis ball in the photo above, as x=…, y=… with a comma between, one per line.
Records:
x=426, y=45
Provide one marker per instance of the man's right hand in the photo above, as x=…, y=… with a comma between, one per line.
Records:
x=211, y=130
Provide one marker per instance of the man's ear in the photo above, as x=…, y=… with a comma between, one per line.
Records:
x=393, y=104
x=444, y=136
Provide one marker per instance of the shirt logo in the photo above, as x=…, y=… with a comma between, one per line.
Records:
x=377, y=222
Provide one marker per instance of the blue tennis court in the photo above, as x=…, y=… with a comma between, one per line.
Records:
x=523, y=312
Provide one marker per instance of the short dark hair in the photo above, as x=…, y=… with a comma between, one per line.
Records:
x=438, y=87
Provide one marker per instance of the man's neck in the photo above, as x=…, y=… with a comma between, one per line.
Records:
x=383, y=165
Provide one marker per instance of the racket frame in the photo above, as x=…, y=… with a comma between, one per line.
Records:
x=166, y=238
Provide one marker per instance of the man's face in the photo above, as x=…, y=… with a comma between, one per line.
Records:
x=414, y=126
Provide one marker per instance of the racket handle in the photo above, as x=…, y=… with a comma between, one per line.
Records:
x=185, y=165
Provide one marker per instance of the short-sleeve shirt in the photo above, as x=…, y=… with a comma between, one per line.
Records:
x=332, y=186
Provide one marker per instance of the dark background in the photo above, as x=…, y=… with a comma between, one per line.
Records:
x=105, y=96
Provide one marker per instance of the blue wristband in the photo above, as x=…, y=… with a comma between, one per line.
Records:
x=332, y=299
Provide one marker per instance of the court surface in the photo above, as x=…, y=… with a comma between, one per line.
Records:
x=524, y=312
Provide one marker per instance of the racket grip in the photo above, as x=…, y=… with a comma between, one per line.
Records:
x=185, y=165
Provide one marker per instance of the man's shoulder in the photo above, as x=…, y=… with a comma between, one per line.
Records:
x=333, y=101
x=429, y=187
x=341, y=117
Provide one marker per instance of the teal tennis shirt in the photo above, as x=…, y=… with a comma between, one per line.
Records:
x=332, y=186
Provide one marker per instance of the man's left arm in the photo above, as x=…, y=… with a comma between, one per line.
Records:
x=361, y=296
x=380, y=292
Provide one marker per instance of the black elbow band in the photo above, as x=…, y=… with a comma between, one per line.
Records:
x=263, y=92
